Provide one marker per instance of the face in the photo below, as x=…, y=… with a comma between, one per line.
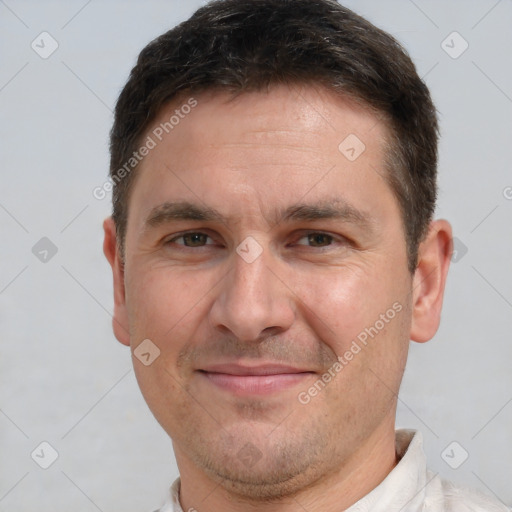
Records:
x=269, y=268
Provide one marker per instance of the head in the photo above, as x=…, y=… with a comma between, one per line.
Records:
x=278, y=212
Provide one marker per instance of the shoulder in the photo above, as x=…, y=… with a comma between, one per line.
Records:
x=450, y=497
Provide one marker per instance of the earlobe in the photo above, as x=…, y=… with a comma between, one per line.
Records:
x=111, y=251
x=429, y=280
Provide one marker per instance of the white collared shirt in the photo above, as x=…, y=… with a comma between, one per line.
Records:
x=409, y=487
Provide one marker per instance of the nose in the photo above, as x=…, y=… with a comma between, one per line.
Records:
x=253, y=302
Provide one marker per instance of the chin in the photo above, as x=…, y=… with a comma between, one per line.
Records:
x=276, y=472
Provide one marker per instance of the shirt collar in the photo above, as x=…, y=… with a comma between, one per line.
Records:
x=404, y=487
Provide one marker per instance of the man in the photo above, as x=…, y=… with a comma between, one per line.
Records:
x=273, y=253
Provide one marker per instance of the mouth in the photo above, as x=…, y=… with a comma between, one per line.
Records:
x=253, y=380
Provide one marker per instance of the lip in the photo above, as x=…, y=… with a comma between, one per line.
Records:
x=253, y=380
x=262, y=369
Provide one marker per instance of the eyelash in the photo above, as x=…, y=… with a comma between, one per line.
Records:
x=332, y=239
x=182, y=235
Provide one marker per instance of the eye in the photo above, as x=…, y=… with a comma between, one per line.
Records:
x=192, y=239
x=317, y=239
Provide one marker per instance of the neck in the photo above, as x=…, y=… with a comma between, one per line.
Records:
x=335, y=490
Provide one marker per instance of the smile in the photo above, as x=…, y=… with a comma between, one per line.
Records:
x=260, y=381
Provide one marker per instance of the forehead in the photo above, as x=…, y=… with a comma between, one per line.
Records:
x=276, y=113
x=280, y=144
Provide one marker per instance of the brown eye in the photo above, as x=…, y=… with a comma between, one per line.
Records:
x=191, y=239
x=319, y=239
x=195, y=239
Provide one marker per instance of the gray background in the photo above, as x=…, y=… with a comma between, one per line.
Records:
x=64, y=378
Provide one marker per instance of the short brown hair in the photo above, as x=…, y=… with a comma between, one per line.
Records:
x=249, y=45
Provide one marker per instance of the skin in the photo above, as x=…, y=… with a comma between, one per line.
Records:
x=301, y=302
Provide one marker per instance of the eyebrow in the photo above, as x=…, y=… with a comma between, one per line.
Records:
x=337, y=209
x=181, y=210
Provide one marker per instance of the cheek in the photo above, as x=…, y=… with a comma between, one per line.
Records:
x=341, y=301
x=364, y=318
x=166, y=306
x=356, y=304
x=163, y=303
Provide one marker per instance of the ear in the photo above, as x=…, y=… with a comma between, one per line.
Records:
x=429, y=280
x=111, y=251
